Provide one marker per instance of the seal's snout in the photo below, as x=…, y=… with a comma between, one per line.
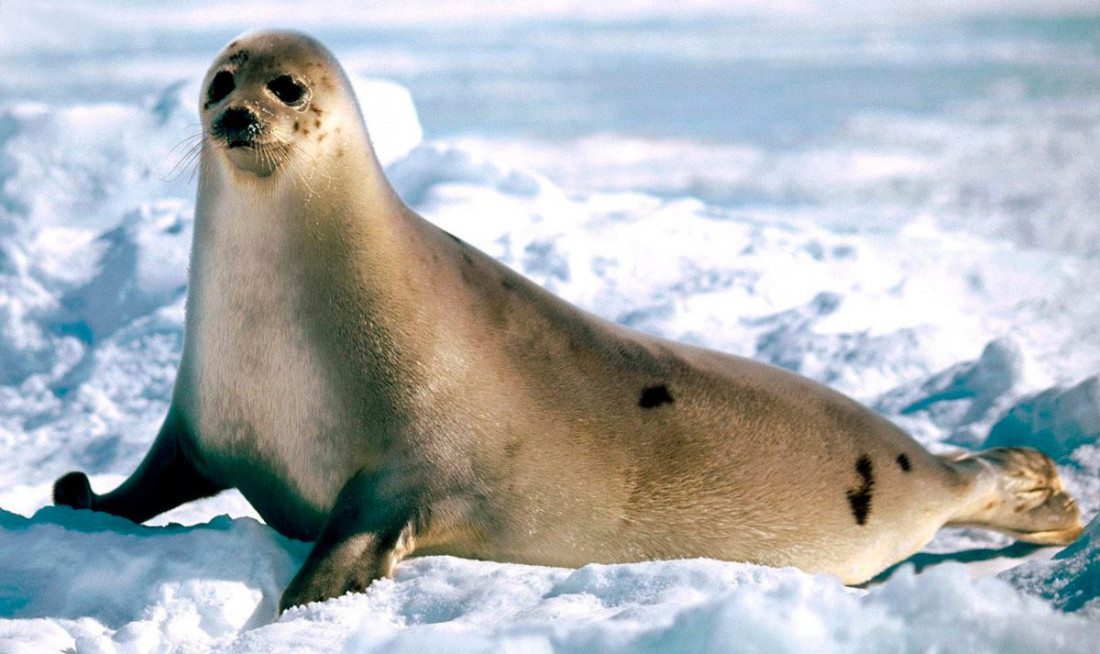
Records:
x=238, y=126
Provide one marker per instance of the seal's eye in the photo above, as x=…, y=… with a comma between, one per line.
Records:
x=286, y=89
x=221, y=86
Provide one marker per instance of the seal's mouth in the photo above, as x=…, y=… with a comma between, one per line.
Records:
x=258, y=155
x=257, y=144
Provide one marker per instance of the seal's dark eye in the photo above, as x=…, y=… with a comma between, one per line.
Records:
x=221, y=86
x=286, y=89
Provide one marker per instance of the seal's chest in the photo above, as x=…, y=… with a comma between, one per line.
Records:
x=266, y=416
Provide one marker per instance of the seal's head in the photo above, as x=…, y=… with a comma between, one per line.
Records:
x=268, y=93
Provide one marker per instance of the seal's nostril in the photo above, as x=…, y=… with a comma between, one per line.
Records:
x=238, y=126
x=237, y=119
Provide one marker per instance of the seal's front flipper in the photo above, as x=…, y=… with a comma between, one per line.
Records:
x=1017, y=491
x=163, y=481
x=365, y=536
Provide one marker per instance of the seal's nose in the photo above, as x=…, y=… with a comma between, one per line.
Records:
x=238, y=126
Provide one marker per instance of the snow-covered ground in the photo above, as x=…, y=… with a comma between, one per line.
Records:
x=901, y=203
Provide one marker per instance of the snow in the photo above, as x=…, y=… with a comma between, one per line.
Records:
x=899, y=203
x=213, y=586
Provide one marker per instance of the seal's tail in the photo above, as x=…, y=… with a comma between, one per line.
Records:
x=1017, y=491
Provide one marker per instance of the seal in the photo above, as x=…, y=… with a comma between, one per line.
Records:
x=374, y=384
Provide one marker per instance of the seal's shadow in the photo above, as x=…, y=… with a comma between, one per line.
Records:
x=923, y=560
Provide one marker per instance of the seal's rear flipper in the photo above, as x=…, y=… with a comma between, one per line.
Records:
x=1017, y=491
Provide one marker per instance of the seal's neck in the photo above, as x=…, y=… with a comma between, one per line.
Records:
x=328, y=193
x=331, y=243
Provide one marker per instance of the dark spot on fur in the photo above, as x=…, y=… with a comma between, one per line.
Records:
x=860, y=498
x=239, y=57
x=295, y=126
x=512, y=447
x=655, y=396
x=322, y=137
x=509, y=284
x=317, y=110
x=864, y=467
x=316, y=123
x=467, y=258
x=903, y=463
x=305, y=131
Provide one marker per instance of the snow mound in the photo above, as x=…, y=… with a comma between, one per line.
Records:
x=1056, y=421
x=391, y=118
x=961, y=398
x=135, y=569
